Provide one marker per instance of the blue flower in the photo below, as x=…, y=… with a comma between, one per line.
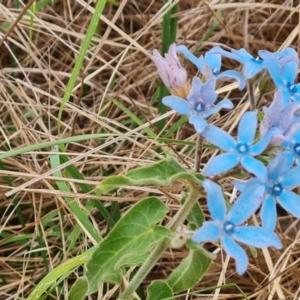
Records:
x=283, y=68
x=280, y=116
x=227, y=226
x=210, y=66
x=252, y=66
x=173, y=75
x=199, y=104
x=281, y=178
x=240, y=151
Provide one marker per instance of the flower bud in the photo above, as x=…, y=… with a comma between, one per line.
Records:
x=173, y=75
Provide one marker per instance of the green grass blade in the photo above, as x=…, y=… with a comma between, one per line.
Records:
x=86, y=42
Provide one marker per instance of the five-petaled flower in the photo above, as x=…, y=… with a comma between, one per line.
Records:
x=210, y=66
x=173, y=75
x=227, y=226
x=283, y=68
x=240, y=151
x=199, y=103
x=281, y=177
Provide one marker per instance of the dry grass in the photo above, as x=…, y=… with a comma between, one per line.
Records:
x=33, y=77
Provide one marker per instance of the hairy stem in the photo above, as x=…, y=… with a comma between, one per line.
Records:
x=157, y=252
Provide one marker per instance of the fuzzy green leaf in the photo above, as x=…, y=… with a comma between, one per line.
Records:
x=161, y=173
x=190, y=271
x=159, y=290
x=132, y=236
x=79, y=289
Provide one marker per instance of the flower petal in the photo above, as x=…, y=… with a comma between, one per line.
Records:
x=260, y=146
x=208, y=232
x=219, y=138
x=273, y=66
x=213, y=60
x=190, y=56
x=178, y=104
x=198, y=122
x=291, y=178
x=195, y=94
x=231, y=74
x=226, y=103
x=247, y=128
x=243, y=185
x=278, y=165
x=215, y=200
x=219, y=50
x=289, y=71
x=290, y=202
x=272, y=114
x=237, y=252
x=246, y=204
x=161, y=67
x=258, y=237
x=253, y=67
x=220, y=164
x=208, y=93
x=268, y=213
x=255, y=167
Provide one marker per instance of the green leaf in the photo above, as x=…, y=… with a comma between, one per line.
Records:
x=190, y=271
x=196, y=216
x=161, y=173
x=159, y=290
x=132, y=236
x=79, y=289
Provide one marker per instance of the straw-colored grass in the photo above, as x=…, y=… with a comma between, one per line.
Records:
x=117, y=71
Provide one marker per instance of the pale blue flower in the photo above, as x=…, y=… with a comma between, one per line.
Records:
x=199, y=104
x=210, y=66
x=280, y=116
x=227, y=227
x=281, y=178
x=252, y=66
x=283, y=68
x=241, y=151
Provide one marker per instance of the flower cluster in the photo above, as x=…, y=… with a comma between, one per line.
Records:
x=269, y=184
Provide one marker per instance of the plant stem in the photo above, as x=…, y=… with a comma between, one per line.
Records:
x=199, y=152
x=162, y=246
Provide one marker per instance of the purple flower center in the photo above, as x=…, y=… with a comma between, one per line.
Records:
x=242, y=148
x=228, y=227
x=199, y=107
x=276, y=189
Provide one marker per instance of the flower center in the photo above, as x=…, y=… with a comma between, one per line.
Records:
x=292, y=88
x=242, y=148
x=199, y=107
x=297, y=148
x=216, y=72
x=257, y=60
x=228, y=227
x=276, y=189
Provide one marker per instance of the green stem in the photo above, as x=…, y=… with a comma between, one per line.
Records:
x=157, y=252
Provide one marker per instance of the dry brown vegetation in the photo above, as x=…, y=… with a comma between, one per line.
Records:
x=36, y=64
